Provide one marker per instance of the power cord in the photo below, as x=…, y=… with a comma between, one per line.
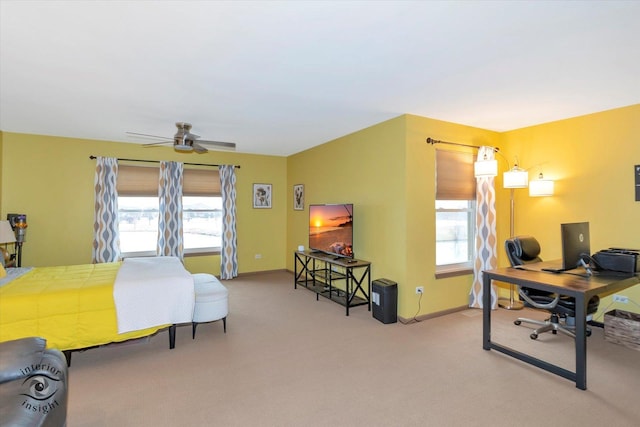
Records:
x=415, y=316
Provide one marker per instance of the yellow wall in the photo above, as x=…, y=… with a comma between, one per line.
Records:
x=365, y=168
x=441, y=294
x=386, y=170
x=51, y=180
x=392, y=185
x=1, y=165
x=591, y=158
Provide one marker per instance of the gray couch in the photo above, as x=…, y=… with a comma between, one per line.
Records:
x=33, y=384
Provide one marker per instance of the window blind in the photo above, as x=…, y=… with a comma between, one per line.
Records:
x=201, y=182
x=143, y=181
x=455, y=178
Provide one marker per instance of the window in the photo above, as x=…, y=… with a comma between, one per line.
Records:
x=455, y=211
x=138, y=210
x=455, y=221
x=202, y=223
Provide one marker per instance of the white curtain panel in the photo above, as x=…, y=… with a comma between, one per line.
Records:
x=486, y=239
x=106, y=239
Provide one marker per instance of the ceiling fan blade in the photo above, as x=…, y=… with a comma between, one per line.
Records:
x=151, y=144
x=219, y=144
x=199, y=148
x=184, y=140
x=145, y=135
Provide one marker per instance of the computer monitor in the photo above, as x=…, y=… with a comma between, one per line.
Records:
x=575, y=242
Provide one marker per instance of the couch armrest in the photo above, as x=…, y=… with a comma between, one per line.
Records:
x=34, y=389
x=19, y=354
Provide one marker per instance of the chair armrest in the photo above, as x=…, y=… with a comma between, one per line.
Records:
x=547, y=306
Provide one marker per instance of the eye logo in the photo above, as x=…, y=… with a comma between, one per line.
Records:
x=40, y=387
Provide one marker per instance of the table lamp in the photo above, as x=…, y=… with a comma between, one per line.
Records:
x=6, y=236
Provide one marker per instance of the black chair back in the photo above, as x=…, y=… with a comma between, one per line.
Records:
x=522, y=250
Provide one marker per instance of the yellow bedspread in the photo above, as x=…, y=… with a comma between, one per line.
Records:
x=71, y=306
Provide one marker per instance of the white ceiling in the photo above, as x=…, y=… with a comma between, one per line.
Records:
x=280, y=77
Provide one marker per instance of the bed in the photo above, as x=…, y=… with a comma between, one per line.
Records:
x=74, y=307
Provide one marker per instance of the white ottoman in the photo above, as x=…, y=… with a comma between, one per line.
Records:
x=212, y=301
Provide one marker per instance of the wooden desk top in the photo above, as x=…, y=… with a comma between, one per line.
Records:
x=569, y=283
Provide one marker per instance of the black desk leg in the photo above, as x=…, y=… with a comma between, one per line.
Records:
x=486, y=311
x=172, y=336
x=581, y=342
x=348, y=281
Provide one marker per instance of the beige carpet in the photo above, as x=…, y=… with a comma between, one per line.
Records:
x=289, y=360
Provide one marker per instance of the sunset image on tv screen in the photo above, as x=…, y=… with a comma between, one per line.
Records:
x=331, y=229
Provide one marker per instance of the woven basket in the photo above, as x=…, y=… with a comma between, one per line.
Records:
x=622, y=327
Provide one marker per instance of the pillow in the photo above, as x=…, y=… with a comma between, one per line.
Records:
x=3, y=272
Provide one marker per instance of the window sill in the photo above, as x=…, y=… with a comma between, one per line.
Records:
x=187, y=253
x=453, y=272
x=201, y=252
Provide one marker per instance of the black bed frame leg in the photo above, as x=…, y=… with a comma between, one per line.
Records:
x=172, y=336
x=67, y=355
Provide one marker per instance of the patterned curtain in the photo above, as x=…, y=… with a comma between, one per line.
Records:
x=106, y=240
x=486, y=238
x=229, y=252
x=170, y=241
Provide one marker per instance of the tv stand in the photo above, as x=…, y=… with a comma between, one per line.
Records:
x=320, y=272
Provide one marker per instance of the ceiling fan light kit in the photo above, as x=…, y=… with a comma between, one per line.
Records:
x=182, y=148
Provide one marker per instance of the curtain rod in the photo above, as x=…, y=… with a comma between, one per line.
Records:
x=435, y=141
x=158, y=161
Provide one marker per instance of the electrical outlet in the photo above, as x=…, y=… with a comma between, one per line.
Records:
x=419, y=290
x=620, y=298
x=258, y=256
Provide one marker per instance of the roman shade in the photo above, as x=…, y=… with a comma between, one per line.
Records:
x=143, y=181
x=454, y=175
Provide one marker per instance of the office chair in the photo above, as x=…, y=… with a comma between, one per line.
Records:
x=523, y=250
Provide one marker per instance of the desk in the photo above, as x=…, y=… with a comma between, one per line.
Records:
x=580, y=288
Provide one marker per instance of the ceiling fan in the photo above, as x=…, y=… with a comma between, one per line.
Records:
x=185, y=141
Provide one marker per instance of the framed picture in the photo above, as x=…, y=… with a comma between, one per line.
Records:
x=298, y=197
x=262, y=196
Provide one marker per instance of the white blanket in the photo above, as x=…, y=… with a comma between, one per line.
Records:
x=152, y=291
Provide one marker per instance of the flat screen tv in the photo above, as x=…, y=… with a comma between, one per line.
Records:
x=331, y=229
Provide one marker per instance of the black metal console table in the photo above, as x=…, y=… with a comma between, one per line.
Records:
x=318, y=272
